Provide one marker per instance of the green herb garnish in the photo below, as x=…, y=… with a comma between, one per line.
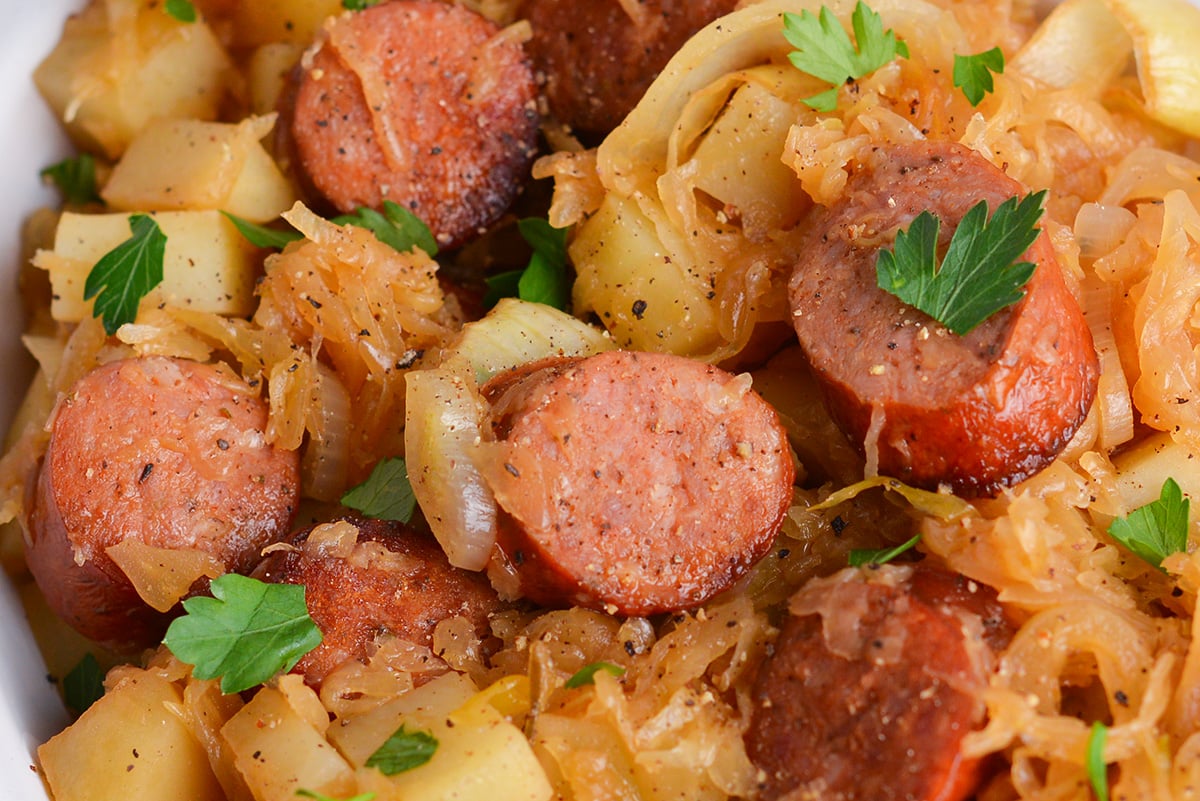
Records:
x=75, y=179
x=358, y=5
x=245, y=634
x=1096, y=767
x=126, y=273
x=875, y=558
x=973, y=74
x=84, y=684
x=979, y=274
x=182, y=10
x=587, y=674
x=545, y=278
x=826, y=52
x=403, y=751
x=303, y=793
x=396, y=226
x=261, y=236
x=387, y=493
x=1158, y=529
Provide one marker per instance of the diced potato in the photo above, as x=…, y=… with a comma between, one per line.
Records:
x=208, y=265
x=267, y=73
x=121, y=63
x=262, y=21
x=1165, y=33
x=361, y=736
x=480, y=757
x=193, y=164
x=278, y=751
x=1144, y=468
x=148, y=750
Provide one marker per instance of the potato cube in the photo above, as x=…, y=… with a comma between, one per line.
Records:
x=193, y=164
x=208, y=265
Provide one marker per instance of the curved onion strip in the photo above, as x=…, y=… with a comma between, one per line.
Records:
x=326, y=460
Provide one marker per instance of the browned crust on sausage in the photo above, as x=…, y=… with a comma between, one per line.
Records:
x=424, y=103
x=392, y=581
x=978, y=412
x=167, y=452
x=872, y=686
x=633, y=482
x=598, y=62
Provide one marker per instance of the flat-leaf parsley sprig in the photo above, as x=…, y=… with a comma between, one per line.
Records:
x=125, y=274
x=1158, y=529
x=824, y=51
x=978, y=276
x=973, y=74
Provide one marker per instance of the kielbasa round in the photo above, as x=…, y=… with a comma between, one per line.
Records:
x=167, y=452
x=424, y=103
x=598, y=60
x=872, y=685
x=364, y=578
x=633, y=482
x=976, y=412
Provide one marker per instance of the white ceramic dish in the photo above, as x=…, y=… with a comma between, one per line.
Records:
x=30, y=710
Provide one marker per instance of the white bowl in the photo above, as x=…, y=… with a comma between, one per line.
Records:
x=30, y=710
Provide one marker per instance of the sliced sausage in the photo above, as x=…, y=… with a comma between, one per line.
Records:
x=166, y=452
x=598, y=60
x=872, y=685
x=977, y=412
x=366, y=578
x=633, y=482
x=424, y=103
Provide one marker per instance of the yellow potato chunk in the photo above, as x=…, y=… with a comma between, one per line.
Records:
x=193, y=164
x=208, y=265
x=295, y=21
x=148, y=750
x=122, y=63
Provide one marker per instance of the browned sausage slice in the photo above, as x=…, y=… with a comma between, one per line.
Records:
x=364, y=578
x=872, y=684
x=424, y=103
x=167, y=452
x=633, y=482
x=977, y=412
x=599, y=61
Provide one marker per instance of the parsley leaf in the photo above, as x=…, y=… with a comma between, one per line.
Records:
x=182, y=10
x=1158, y=529
x=875, y=558
x=386, y=494
x=75, y=179
x=261, y=236
x=84, y=684
x=587, y=674
x=978, y=275
x=358, y=5
x=545, y=278
x=404, y=750
x=246, y=633
x=973, y=74
x=126, y=273
x=1096, y=768
x=826, y=52
x=396, y=226
x=303, y=793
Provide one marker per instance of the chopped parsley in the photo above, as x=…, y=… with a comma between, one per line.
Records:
x=358, y=5
x=824, y=51
x=126, y=273
x=396, y=226
x=1096, y=768
x=75, y=179
x=387, y=493
x=303, y=793
x=1158, y=529
x=403, y=751
x=545, y=279
x=875, y=558
x=182, y=10
x=979, y=274
x=587, y=674
x=261, y=236
x=245, y=634
x=84, y=684
x=973, y=74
